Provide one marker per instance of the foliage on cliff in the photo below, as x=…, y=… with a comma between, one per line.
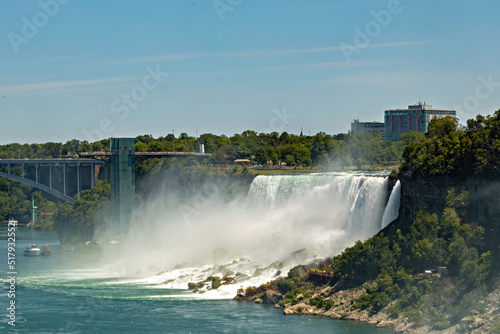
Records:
x=401, y=270
x=15, y=203
x=76, y=223
x=397, y=261
x=450, y=149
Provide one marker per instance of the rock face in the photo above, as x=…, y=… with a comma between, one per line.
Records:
x=429, y=194
x=271, y=297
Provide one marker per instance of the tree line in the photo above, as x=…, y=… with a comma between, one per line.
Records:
x=320, y=150
x=273, y=148
x=449, y=148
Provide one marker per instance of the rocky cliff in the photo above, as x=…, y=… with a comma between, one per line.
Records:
x=429, y=194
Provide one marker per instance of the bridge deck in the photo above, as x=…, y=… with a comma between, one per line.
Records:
x=51, y=161
x=146, y=154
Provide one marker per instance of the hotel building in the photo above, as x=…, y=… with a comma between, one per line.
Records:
x=416, y=118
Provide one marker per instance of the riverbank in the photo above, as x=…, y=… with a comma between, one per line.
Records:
x=322, y=300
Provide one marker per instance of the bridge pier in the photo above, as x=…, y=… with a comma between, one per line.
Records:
x=64, y=179
x=78, y=180
x=122, y=179
x=92, y=175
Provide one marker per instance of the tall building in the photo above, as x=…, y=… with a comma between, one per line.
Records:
x=416, y=118
x=367, y=127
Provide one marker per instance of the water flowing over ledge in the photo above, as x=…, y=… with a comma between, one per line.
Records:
x=285, y=220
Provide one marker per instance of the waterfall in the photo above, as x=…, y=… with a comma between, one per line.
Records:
x=392, y=208
x=350, y=203
x=284, y=220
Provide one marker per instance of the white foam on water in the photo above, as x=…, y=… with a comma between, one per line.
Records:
x=171, y=243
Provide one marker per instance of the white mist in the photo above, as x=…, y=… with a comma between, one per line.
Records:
x=284, y=221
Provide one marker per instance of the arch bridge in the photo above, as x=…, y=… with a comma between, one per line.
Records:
x=64, y=178
x=61, y=178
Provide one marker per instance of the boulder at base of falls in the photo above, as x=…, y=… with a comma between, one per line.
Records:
x=298, y=271
x=239, y=297
x=271, y=297
x=216, y=284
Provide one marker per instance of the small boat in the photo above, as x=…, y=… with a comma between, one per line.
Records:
x=32, y=250
x=46, y=250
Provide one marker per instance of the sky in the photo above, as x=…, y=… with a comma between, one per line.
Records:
x=89, y=69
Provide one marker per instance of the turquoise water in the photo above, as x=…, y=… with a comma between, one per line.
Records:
x=52, y=298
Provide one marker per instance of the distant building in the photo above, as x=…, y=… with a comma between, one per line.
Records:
x=367, y=127
x=416, y=118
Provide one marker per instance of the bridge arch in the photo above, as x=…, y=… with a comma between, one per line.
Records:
x=39, y=186
x=36, y=182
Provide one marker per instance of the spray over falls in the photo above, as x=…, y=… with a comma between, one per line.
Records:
x=285, y=220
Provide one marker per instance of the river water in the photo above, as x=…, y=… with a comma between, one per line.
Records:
x=54, y=298
x=141, y=284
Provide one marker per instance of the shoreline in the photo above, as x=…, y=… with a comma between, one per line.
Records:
x=342, y=309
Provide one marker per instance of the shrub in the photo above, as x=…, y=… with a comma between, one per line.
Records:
x=317, y=301
x=285, y=287
x=441, y=325
x=328, y=305
x=394, y=310
x=379, y=301
x=415, y=316
x=495, y=329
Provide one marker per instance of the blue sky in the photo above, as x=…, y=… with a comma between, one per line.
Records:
x=95, y=69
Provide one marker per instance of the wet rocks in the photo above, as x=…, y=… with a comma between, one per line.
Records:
x=216, y=284
x=211, y=283
x=271, y=297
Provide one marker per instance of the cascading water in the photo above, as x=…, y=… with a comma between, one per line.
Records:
x=342, y=202
x=284, y=221
x=175, y=239
x=392, y=208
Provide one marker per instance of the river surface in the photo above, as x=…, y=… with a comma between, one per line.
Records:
x=54, y=298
